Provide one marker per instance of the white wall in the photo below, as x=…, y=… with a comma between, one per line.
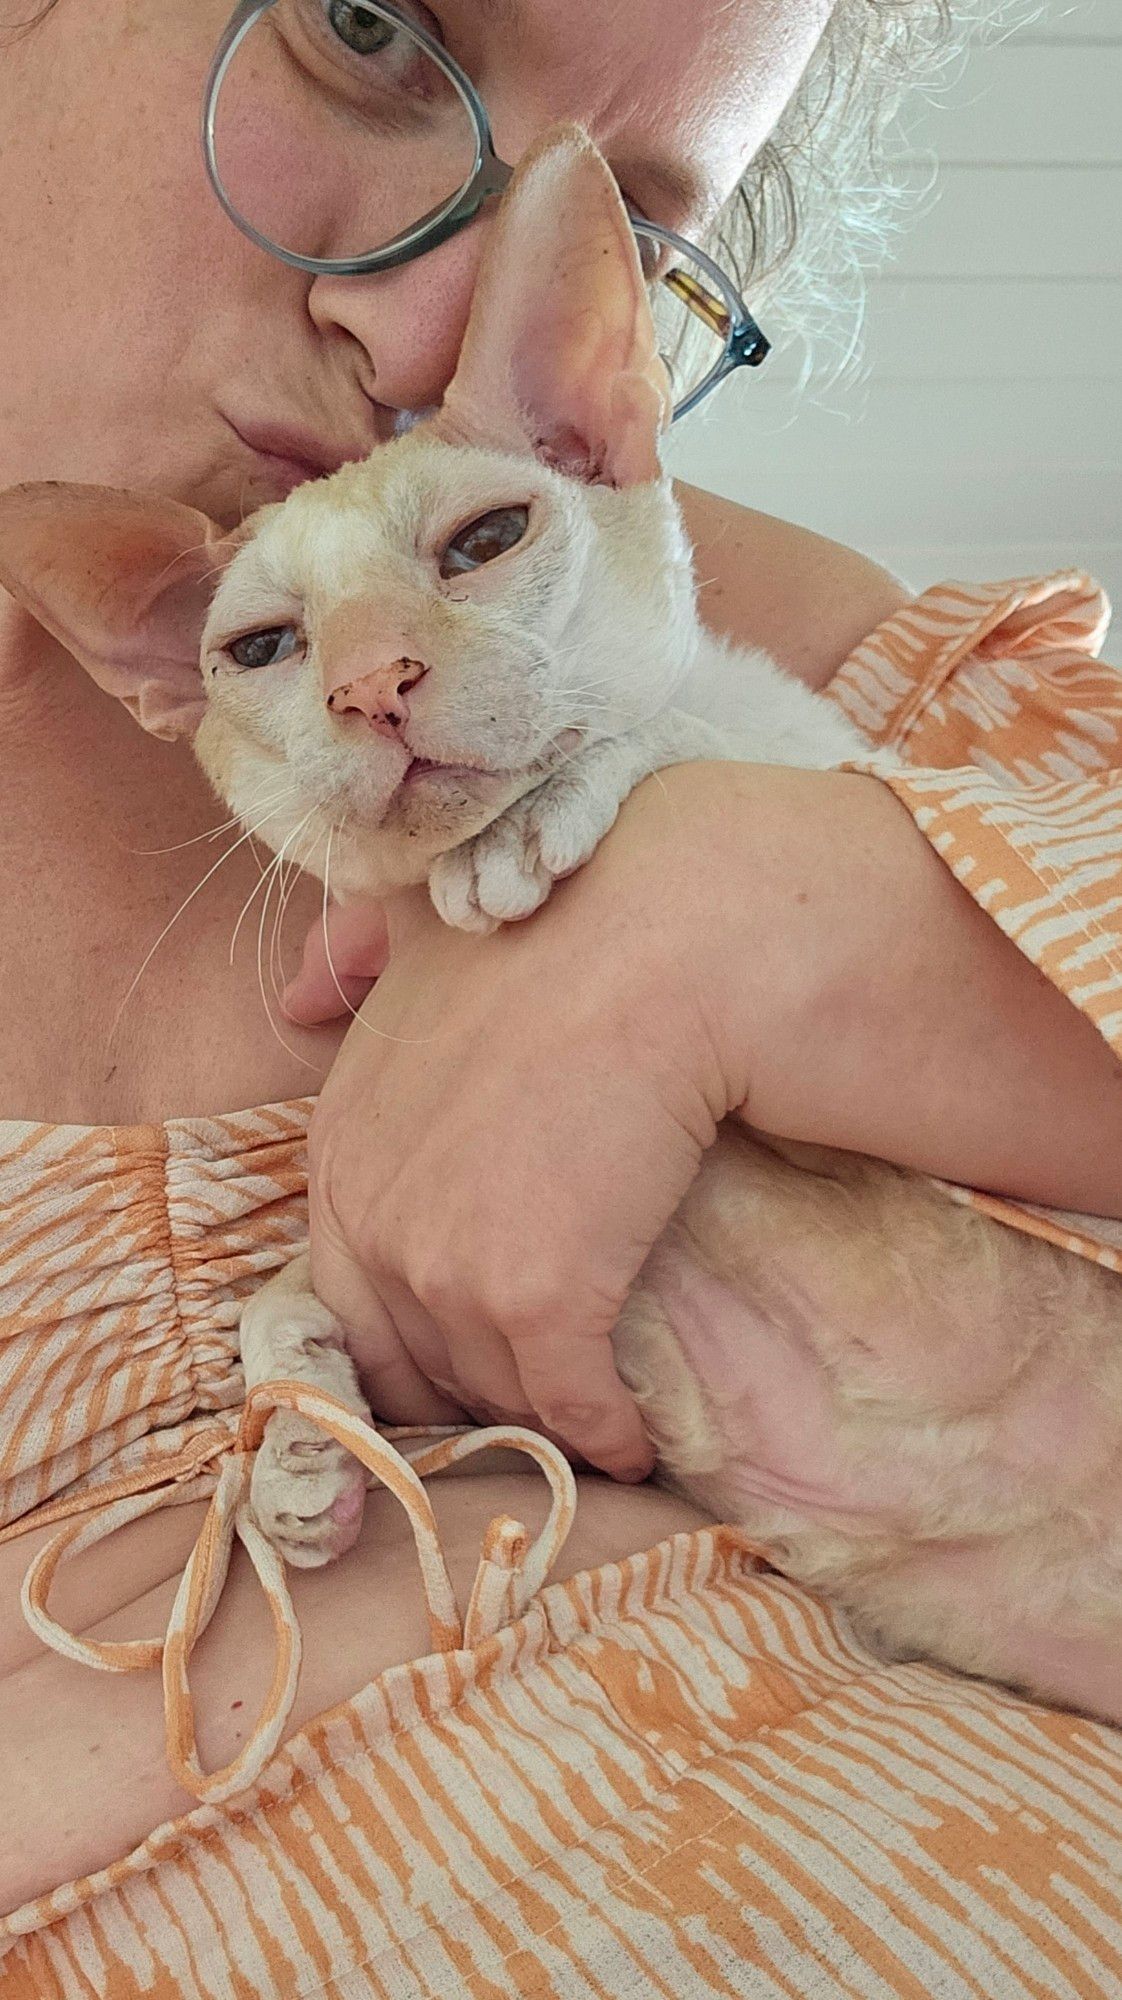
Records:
x=986, y=440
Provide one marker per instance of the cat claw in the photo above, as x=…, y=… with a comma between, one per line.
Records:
x=307, y=1493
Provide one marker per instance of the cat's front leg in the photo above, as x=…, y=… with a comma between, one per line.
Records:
x=507, y=871
x=307, y=1492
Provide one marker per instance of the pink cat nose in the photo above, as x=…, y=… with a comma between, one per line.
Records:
x=382, y=696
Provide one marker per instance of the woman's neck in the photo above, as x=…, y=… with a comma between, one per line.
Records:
x=105, y=838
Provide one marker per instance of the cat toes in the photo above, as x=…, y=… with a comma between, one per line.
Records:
x=510, y=881
x=453, y=891
x=307, y=1493
x=569, y=833
x=494, y=879
x=508, y=870
x=569, y=822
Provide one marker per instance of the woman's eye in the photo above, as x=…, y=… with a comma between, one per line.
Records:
x=366, y=33
x=263, y=649
x=482, y=540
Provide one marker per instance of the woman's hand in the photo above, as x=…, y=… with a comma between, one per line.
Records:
x=506, y=1131
x=343, y=956
x=512, y=1122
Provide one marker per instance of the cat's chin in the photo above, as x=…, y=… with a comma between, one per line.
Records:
x=450, y=800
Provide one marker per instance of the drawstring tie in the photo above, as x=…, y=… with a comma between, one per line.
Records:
x=512, y=1569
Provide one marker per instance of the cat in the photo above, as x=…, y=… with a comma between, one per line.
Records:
x=451, y=663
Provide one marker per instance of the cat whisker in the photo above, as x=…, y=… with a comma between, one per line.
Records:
x=266, y=876
x=173, y=920
x=381, y=1034
x=272, y=877
x=215, y=832
x=182, y=556
x=293, y=873
x=292, y=868
x=289, y=873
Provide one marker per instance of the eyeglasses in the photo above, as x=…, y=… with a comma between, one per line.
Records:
x=342, y=137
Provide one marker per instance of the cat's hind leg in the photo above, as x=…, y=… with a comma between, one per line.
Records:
x=307, y=1492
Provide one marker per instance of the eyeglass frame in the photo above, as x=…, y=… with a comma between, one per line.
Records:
x=746, y=345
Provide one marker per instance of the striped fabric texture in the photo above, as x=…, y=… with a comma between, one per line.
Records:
x=673, y=1778
x=1011, y=726
x=677, y=1776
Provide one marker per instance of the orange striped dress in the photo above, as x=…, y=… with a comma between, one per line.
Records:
x=677, y=1776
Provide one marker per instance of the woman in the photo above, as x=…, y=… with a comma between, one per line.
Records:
x=622, y=1748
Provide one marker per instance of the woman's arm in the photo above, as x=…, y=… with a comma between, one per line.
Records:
x=805, y=600
x=511, y=1128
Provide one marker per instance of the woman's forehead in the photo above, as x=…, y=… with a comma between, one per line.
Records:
x=677, y=93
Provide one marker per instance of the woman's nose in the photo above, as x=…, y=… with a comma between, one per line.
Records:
x=409, y=322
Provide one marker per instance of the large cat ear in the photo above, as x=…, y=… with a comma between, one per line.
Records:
x=123, y=581
x=560, y=355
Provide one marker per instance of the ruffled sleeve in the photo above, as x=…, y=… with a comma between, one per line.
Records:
x=1009, y=728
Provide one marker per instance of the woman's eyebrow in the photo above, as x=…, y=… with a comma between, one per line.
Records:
x=665, y=187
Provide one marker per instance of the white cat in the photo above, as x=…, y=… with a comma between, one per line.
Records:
x=455, y=661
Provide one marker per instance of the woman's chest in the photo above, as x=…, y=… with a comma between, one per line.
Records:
x=144, y=950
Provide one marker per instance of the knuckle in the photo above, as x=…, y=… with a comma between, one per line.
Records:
x=433, y=1285
x=525, y=1312
x=327, y=1180
x=573, y=1417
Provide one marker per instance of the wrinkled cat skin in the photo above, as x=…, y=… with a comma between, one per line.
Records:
x=907, y=1405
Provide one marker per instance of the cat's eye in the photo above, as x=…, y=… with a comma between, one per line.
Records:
x=265, y=648
x=488, y=536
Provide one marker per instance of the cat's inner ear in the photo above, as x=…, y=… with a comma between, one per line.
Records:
x=123, y=581
x=560, y=355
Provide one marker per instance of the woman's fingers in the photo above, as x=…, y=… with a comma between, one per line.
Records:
x=514, y=1126
x=393, y=1382
x=342, y=959
x=428, y=1359
x=571, y=1382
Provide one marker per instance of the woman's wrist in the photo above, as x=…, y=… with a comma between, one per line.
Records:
x=765, y=583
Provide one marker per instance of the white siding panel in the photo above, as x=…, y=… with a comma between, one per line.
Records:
x=986, y=437
x=1074, y=21
x=986, y=562
x=944, y=461
x=987, y=222
x=1023, y=102
x=971, y=329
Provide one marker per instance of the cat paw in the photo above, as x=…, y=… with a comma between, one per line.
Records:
x=570, y=815
x=307, y=1493
x=508, y=870
x=491, y=880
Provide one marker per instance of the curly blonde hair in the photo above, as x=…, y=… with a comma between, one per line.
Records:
x=822, y=199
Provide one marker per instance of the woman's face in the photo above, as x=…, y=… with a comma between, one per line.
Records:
x=146, y=343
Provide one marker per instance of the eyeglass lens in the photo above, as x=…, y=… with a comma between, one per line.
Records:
x=337, y=133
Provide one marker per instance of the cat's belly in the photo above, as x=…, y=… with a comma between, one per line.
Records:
x=905, y=1403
